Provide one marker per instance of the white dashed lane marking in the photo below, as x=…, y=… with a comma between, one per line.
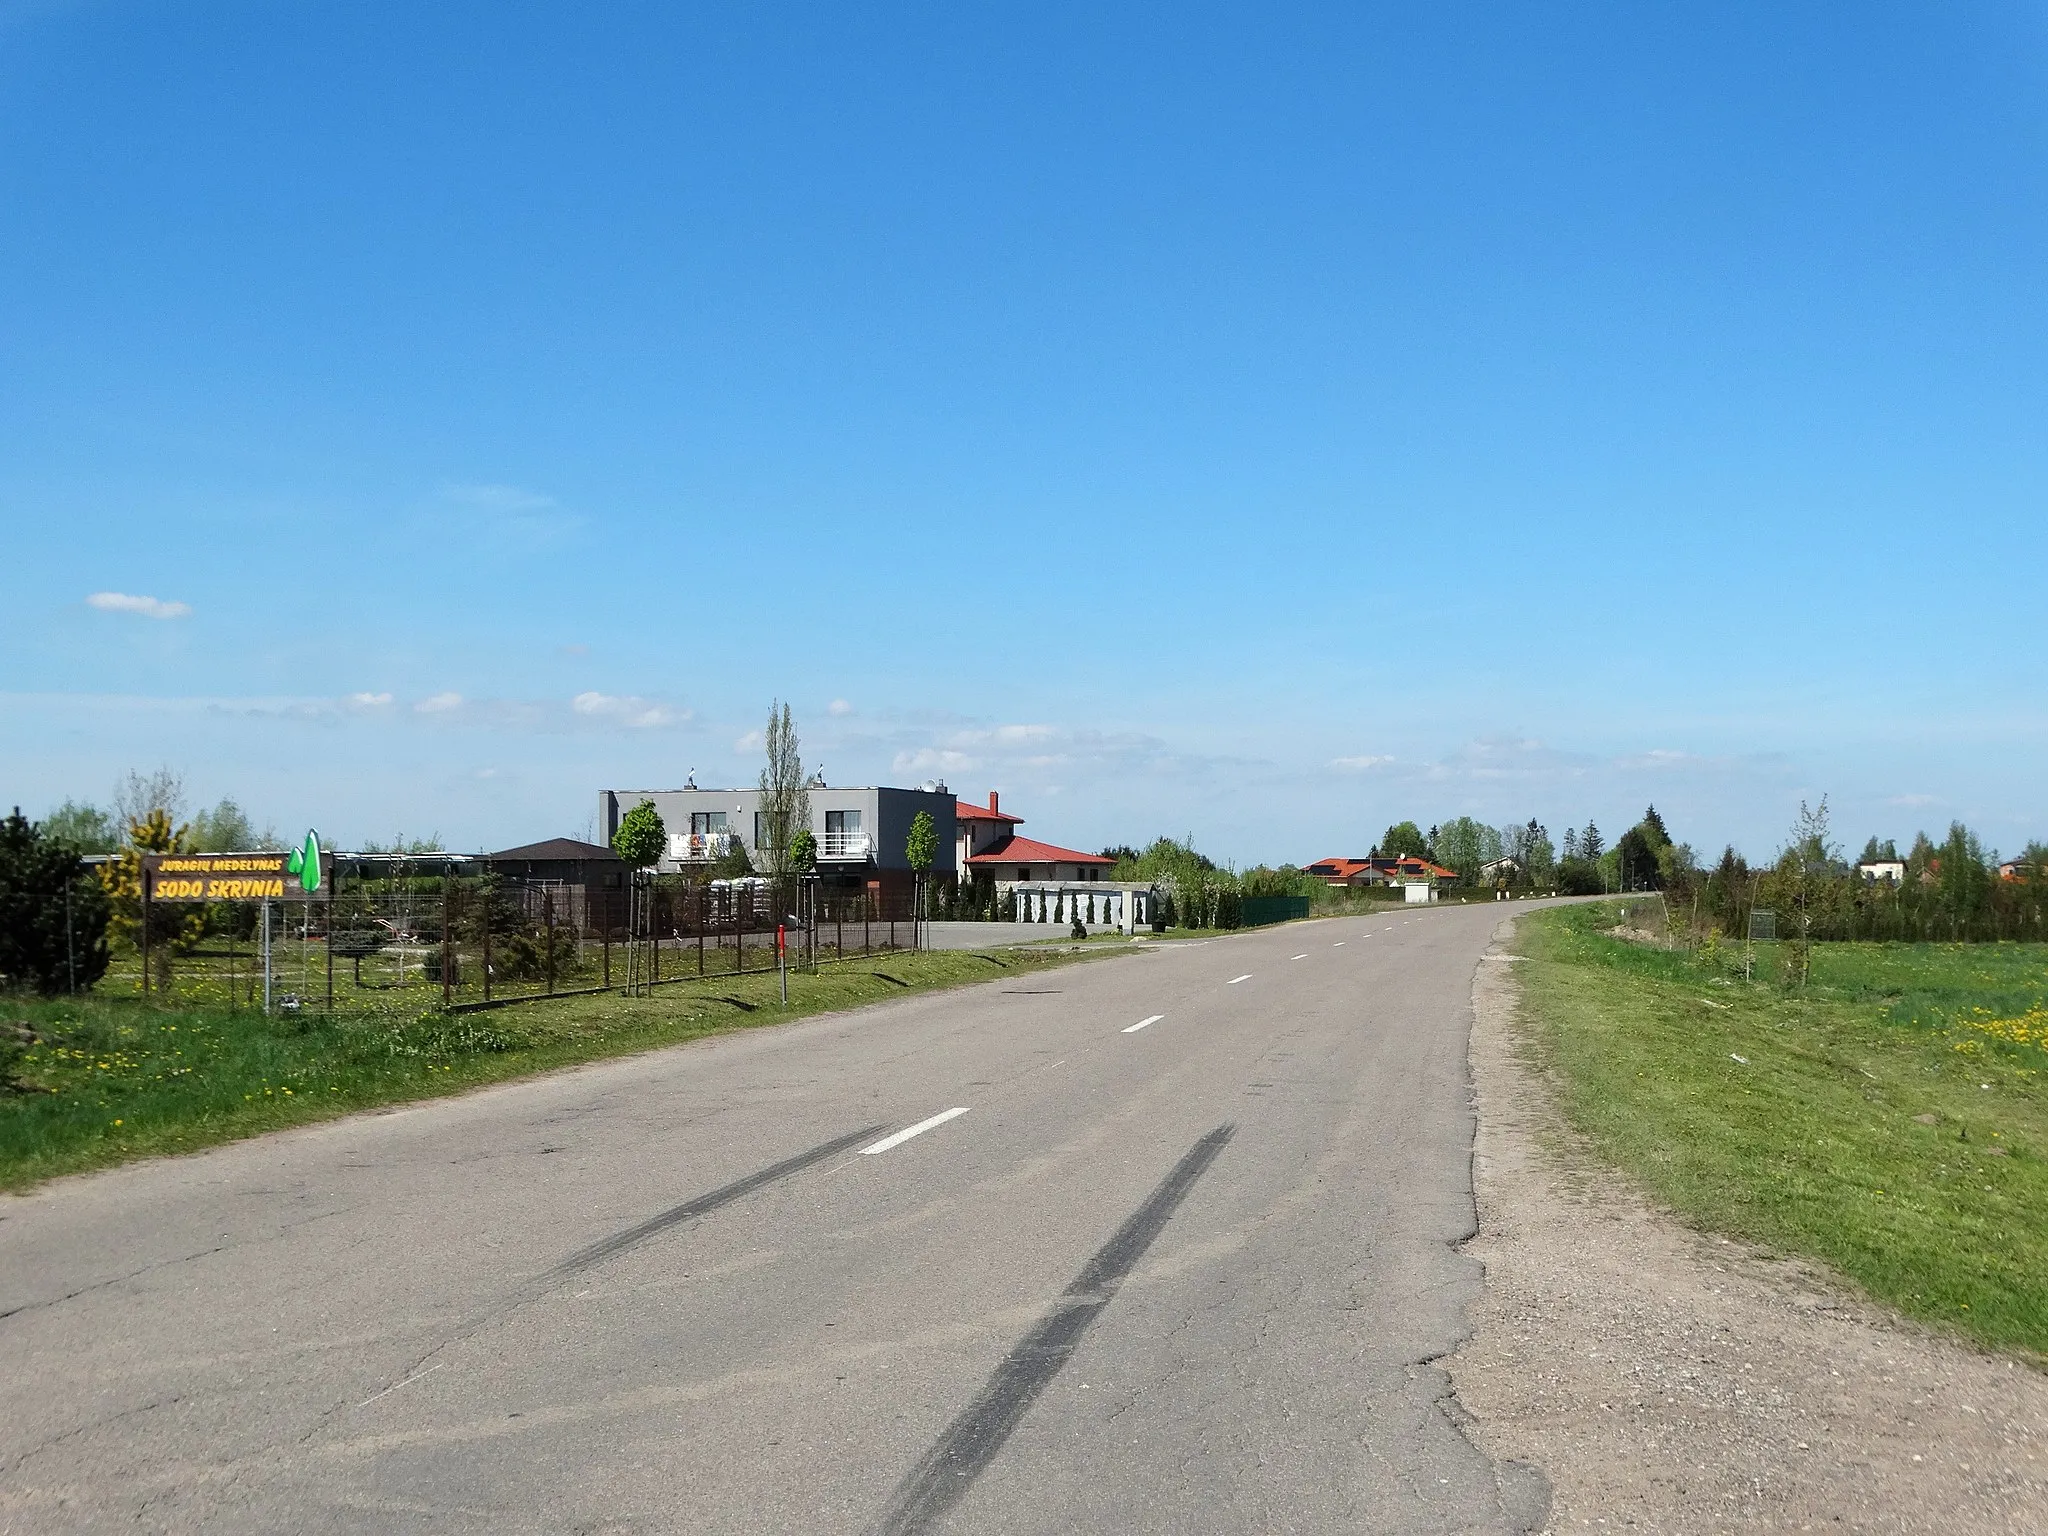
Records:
x=1132, y=1029
x=916, y=1130
x=1247, y=976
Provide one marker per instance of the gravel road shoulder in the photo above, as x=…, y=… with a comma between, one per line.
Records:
x=1666, y=1381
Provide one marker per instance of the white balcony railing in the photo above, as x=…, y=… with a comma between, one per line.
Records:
x=686, y=847
x=845, y=845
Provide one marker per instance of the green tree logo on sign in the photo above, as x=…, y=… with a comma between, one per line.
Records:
x=304, y=861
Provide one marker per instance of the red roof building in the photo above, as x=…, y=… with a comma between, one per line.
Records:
x=1402, y=871
x=991, y=850
x=1025, y=858
x=980, y=828
x=1342, y=871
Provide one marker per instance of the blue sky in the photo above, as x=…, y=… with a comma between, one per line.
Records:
x=1263, y=422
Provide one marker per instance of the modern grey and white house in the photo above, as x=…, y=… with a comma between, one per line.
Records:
x=862, y=834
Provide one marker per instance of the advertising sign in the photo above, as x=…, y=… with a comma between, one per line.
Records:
x=295, y=874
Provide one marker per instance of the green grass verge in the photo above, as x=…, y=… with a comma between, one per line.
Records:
x=128, y=1079
x=1888, y=1120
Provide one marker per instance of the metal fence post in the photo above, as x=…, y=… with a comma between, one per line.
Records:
x=447, y=936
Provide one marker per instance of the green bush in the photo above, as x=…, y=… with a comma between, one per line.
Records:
x=53, y=916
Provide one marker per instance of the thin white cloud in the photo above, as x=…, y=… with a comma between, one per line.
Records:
x=1361, y=764
x=369, y=700
x=925, y=759
x=1660, y=757
x=1500, y=757
x=839, y=707
x=751, y=742
x=626, y=709
x=147, y=607
x=511, y=518
x=1912, y=801
x=438, y=704
x=1010, y=735
x=1033, y=750
x=498, y=498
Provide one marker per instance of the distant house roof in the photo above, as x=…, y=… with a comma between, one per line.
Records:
x=1338, y=869
x=1027, y=850
x=989, y=812
x=1399, y=869
x=558, y=848
x=1412, y=867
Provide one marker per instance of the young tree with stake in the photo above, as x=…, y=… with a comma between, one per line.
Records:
x=921, y=851
x=639, y=841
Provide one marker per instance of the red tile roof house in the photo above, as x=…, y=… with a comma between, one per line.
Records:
x=1342, y=872
x=990, y=849
x=980, y=827
x=1419, y=876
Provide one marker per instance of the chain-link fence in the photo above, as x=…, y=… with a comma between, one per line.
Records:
x=402, y=935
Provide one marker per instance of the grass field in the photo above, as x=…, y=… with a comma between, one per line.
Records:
x=128, y=1079
x=1889, y=1119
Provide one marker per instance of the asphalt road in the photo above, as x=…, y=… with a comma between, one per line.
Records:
x=1182, y=1277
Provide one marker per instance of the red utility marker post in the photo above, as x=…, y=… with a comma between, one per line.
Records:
x=782, y=959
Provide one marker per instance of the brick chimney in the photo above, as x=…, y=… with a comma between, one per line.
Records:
x=994, y=803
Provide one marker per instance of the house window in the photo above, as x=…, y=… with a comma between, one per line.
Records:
x=1024, y=872
x=842, y=821
x=704, y=823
